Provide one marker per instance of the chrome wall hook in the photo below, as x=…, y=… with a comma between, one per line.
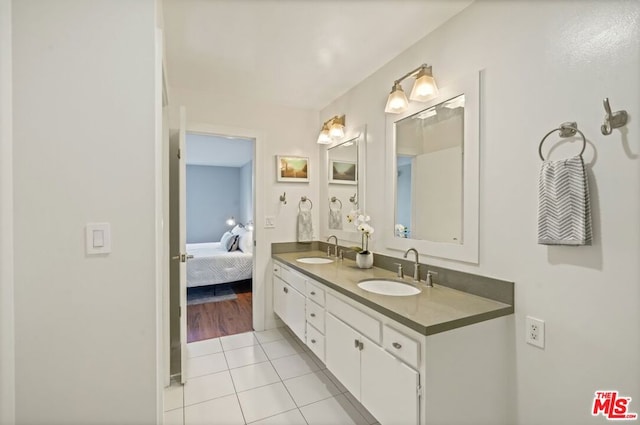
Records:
x=612, y=120
x=283, y=198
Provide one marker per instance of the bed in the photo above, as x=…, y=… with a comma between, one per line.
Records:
x=212, y=264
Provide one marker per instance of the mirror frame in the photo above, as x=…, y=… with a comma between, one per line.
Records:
x=468, y=250
x=359, y=133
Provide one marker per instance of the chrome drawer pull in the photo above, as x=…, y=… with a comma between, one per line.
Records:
x=313, y=293
x=356, y=343
x=396, y=345
x=312, y=315
x=285, y=289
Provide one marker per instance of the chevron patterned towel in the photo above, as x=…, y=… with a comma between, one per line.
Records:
x=564, y=211
x=305, y=226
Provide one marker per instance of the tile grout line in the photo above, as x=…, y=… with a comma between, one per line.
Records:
x=292, y=339
x=283, y=384
x=235, y=390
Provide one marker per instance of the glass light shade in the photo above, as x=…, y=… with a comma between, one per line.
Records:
x=336, y=131
x=424, y=86
x=397, y=101
x=324, y=137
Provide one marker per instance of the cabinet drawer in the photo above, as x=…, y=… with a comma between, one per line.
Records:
x=315, y=292
x=277, y=267
x=315, y=315
x=363, y=323
x=401, y=346
x=294, y=279
x=315, y=341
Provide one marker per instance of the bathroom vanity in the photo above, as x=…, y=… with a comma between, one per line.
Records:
x=437, y=357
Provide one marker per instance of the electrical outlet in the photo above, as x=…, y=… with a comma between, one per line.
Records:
x=535, y=332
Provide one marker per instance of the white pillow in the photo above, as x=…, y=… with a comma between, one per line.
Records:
x=246, y=242
x=225, y=238
x=232, y=243
x=238, y=230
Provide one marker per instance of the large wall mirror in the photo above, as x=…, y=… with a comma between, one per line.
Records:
x=433, y=185
x=343, y=185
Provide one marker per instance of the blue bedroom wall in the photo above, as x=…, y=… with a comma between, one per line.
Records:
x=246, y=192
x=213, y=195
x=403, y=211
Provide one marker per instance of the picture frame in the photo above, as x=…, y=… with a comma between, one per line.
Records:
x=292, y=168
x=343, y=172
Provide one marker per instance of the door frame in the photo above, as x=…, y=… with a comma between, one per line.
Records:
x=7, y=327
x=258, y=286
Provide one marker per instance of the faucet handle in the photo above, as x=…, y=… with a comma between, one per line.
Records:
x=430, y=275
x=400, y=270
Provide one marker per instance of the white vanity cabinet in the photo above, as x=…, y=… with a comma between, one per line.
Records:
x=289, y=302
x=388, y=388
x=400, y=375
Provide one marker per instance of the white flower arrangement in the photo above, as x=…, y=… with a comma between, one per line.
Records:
x=361, y=222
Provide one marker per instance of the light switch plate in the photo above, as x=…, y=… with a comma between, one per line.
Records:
x=98, y=238
x=269, y=222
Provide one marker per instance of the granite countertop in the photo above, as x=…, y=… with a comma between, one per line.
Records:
x=434, y=310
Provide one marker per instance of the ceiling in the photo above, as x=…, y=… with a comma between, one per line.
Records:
x=298, y=53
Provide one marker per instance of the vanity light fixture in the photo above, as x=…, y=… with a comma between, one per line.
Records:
x=332, y=129
x=324, y=138
x=423, y=88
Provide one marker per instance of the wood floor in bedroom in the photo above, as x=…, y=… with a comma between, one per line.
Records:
x=213, y=320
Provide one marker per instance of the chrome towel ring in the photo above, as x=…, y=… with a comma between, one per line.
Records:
x=335, y=200
x=566, y=129
x=304, y=200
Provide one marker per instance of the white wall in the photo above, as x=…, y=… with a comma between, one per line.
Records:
x=7, y=342
x=282, y=131
x=84, y=129
x=545, y=63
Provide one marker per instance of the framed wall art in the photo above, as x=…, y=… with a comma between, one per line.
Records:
x=292, y=168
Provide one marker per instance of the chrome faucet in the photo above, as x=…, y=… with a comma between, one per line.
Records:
x=335, y=246
x=416, y=265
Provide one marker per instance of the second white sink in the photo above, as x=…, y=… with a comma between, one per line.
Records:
x=393, y=288
x=314, y=260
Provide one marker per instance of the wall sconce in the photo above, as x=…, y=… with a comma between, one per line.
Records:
x=423, y=88
x=231, y=221
x=332, y=129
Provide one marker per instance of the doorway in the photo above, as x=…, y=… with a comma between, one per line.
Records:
x=219, y=182
x=219, y=189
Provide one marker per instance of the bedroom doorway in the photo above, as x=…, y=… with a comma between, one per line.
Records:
x=219, y=224
x=247, y=310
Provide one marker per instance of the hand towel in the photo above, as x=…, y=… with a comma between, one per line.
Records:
x=564, y=210
x=335, y=219
x=305, y=226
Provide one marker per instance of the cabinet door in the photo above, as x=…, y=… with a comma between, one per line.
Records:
x=296, y=316
x=279, y=300
x=389, y=387
x=342, y=354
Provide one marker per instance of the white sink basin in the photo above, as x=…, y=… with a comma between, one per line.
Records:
x=393, y=288
x=314, y=260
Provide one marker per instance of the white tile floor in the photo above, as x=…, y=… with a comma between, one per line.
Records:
x=260, y=378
